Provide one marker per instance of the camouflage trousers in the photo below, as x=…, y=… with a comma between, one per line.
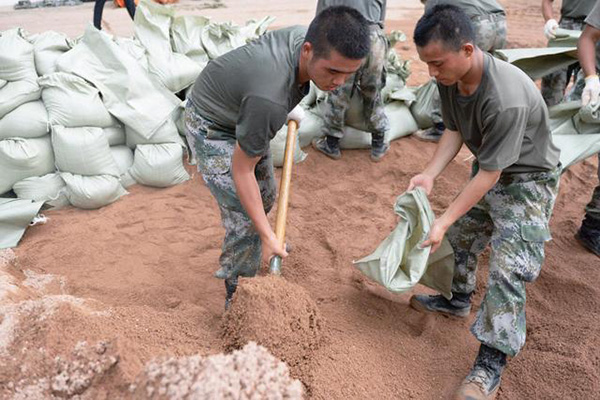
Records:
x=241, y=250
x=513, y=219
x=490, y=34
x=368, y=82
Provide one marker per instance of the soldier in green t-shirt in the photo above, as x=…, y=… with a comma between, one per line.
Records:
x=489, y=20
x=237, y=105
x=508, y=201
x=589, y=233
x=572, y=16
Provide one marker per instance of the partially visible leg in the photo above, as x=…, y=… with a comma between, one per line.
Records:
x=98, y=9
x=589, y=233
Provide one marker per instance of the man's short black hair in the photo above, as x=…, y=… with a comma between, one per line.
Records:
x=446, y=23
x=341, y=28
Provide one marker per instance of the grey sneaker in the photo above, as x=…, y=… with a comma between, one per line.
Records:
x=326, y=148
x=377, y=152
x=438, y=303
x=432, y=134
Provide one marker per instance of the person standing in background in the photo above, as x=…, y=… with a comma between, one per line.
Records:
x=367, y=83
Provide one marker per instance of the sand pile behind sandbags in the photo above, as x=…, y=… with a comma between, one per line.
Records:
x=277, y=314
x=250, y=373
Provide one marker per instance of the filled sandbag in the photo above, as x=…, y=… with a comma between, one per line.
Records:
x=13, y=94
x=83, y=151
x=152, y=24
x=159, y=165
x=310, y=128
x=47, y=188
x=135, y=49
x=278, y=144
x=47, y=47
x=123, y=157
x=73, y=102
x=219, y=38
x=399, y=262
x=166, y=133
x=128, y=91
x=16, y=57
x=15, y=217
x=29, y=120
x=91, y=192
x=186, y=37
x=22, y=158
x=115, y=135
x=402, y=122
x=423, y=106
x=3, y=83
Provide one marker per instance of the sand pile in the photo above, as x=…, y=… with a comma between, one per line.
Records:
x=277, y=314
x=250, y=373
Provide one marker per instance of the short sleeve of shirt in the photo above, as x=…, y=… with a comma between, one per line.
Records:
x=447, y=115
x=503, y=135
x=594, y=18
x=258, y=122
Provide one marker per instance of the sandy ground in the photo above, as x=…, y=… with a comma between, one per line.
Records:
x=134, y=279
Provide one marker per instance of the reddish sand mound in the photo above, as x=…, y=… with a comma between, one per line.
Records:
x=250, y=373
x=276, y=314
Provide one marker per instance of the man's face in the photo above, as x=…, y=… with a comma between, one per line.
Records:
x=446, y=65
x=329, y=72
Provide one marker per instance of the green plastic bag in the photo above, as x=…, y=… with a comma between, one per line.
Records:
x=399, y=263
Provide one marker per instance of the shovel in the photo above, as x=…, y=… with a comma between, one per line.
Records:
x=284, y=193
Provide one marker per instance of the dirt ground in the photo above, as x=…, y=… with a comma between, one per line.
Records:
x=94, y=296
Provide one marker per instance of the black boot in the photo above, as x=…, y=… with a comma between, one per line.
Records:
x=230, y=288
x=378, y=147
x=589, y=235
x=328, y=145
x=459, y=306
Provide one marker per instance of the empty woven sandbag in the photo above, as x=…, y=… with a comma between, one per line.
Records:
x=83, y=151
x=16, y=57
x=399, y=262
x=3, y=83
x=152, y=26
x=115, y=135
x=73, y=102
x=401, y=120
x=13, y=94
x=22, y=158
x=29, y=120
x=47, y=47
x=423, y=106
x=91, y=192
x=159, y=165
x=123, y=157
x=219, y=38
x=278, y=144
x=186, y=37
x=166, y=133
x=47, y=188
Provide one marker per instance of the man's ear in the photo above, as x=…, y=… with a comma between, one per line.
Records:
x=307, y=50
x=468, y=48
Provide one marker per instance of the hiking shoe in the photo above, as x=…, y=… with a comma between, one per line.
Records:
x=326, y=147
x=432, y=134
x=480, y=384
x=453, y=308
x=221, y=273
x=378, y=151
x=589, y=240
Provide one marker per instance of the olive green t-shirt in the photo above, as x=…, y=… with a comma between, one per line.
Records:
x=473, y=8
x=372, y=10
x=248, y=92
x=504, y=123
x=576, y=9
